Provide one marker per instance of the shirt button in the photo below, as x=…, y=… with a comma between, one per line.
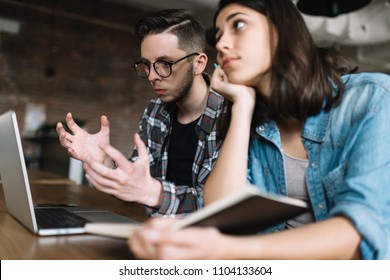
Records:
x=320, y=205
x=313, y=164
x=261, y=128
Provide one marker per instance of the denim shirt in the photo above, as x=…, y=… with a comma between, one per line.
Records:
x=349, y=161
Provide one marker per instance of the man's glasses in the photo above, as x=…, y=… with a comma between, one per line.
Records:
x=163, y=68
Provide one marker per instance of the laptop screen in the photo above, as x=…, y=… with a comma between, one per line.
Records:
x=13, y=172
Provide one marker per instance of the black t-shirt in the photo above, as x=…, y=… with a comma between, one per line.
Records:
x=183, y=143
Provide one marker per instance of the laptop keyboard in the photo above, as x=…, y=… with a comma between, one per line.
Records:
x=58, y=218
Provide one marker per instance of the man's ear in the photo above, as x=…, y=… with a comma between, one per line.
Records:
x=200, y=63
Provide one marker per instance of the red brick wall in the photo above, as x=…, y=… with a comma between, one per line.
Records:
x=91, y=45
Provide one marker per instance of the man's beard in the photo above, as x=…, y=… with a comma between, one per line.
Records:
x=184, y=88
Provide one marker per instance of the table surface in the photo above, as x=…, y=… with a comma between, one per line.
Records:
x=17, y=242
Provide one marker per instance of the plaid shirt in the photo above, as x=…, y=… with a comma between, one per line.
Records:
x=155, y=128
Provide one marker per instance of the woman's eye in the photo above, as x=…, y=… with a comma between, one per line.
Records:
x=238, y=24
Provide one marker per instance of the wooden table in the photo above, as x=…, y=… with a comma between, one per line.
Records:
x=17, y=242
x=41, y=177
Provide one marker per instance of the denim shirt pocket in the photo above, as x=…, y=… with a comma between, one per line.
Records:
x=332, y=180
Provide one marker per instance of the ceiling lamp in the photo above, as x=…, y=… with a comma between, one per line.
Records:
x=330, y=8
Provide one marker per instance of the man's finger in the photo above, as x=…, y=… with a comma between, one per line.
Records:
x=71, y=123
x=104, y=124
x=141, y=148
x=115, y=155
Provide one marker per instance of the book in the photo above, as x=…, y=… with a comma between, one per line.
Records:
x=117, y=230
x=241, y=213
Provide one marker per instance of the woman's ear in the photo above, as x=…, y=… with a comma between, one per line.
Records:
x=200, y=63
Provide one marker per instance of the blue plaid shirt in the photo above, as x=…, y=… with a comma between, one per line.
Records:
x=155, y=128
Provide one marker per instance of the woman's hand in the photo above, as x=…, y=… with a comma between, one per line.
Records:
x=158, y=240
x=241, y=96
x=230, y=171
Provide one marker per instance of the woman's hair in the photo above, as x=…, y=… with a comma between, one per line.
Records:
x=303, y=76
x=179, y=22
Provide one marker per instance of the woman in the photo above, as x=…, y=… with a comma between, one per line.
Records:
x=313, y=131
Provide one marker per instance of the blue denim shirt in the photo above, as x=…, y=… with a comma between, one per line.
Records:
x=349, y=161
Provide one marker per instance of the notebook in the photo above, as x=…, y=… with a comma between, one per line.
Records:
x=243, y=213
x=68, y=219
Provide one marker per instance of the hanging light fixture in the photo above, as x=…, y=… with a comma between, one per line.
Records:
x=330, y=8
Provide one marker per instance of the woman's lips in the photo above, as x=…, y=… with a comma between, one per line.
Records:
x=228, y=62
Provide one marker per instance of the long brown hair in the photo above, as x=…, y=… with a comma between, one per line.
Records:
x=304, y=77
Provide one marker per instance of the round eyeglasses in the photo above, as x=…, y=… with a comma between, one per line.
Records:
x=163, y=68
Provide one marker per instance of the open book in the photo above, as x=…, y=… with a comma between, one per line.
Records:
x=241, y=213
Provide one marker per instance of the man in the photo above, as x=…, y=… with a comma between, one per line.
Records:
x=179, y=133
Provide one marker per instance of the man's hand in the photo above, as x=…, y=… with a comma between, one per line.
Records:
x=82, y=145
x=130, y=181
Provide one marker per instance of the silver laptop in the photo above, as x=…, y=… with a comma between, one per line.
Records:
x=40, y=219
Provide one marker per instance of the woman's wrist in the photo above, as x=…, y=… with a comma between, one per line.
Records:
x=247, y=247
x=242, y=111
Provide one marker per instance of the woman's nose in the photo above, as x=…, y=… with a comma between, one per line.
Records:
x=224, y=43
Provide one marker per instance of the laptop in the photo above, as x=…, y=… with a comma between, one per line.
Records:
x=40, y=219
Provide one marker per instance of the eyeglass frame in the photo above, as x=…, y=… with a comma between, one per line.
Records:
x=170, y=63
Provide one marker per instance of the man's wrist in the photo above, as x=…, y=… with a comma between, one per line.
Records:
x=155, y=194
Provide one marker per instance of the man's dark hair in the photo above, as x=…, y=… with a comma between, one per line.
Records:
x=179, y=22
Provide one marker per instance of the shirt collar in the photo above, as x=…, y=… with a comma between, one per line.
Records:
x=314, y=129
x=206, y=122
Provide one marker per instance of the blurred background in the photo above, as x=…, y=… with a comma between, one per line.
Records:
x=59, y=56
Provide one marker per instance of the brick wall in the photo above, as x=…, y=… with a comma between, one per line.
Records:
x=74, y=56
x=90, y=46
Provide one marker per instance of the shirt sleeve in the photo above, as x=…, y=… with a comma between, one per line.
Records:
x=178, y=200
x=362, y=192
